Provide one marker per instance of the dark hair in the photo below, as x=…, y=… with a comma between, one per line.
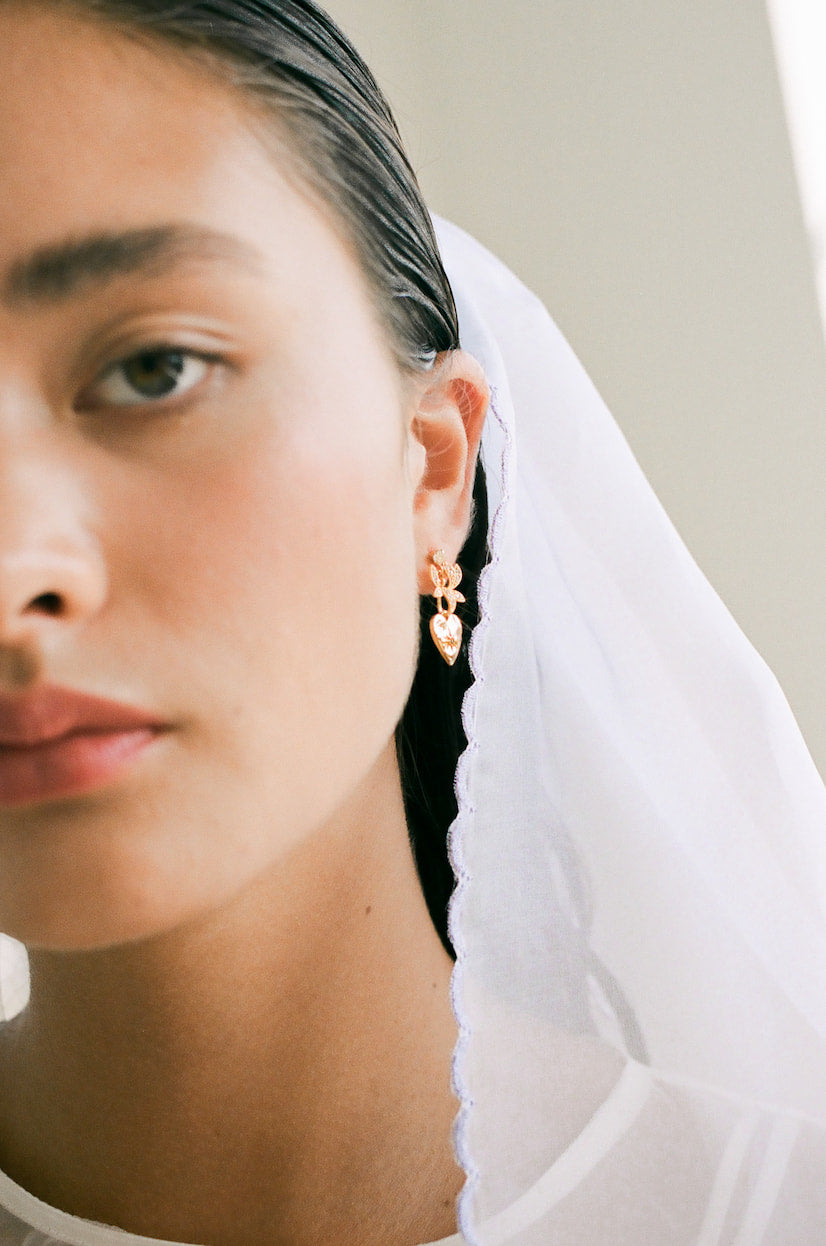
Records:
x=292, y=58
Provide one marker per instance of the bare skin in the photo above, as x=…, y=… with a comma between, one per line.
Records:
x=276, y=1072
x=240, y=1030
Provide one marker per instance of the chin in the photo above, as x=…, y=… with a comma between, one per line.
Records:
x=65, y=934
x=90, y=920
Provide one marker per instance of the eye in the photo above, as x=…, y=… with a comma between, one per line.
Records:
x=149, y=376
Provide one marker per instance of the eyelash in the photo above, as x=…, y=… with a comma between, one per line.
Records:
x=158, y=352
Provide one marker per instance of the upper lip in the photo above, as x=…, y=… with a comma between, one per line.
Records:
x=49, y=713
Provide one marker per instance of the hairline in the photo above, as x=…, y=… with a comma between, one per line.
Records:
x=268, y=121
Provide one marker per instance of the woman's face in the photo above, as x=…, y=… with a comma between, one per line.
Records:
x=207, y=487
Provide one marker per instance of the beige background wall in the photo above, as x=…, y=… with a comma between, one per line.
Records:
x=629, y=159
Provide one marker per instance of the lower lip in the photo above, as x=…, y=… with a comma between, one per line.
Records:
x=68, y=766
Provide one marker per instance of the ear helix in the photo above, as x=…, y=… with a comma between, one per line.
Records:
x=445, y=626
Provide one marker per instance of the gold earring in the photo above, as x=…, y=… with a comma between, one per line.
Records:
x=446, y=627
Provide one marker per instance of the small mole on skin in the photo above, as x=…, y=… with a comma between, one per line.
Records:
x=434, y=986
x=368, y=910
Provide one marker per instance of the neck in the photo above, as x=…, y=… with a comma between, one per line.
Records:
x=282, y=1062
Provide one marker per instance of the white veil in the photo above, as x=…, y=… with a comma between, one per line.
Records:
x=640, y=848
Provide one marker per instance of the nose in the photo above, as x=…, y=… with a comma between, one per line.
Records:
x=45, y=583
x=52, y=573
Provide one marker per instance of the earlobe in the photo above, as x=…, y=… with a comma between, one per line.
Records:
x=448, y=424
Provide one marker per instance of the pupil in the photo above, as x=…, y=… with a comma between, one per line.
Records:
x=154, y=374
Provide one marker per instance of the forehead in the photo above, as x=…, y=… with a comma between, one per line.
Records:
x=102, y=133
x=103, y=136
x=82, y=104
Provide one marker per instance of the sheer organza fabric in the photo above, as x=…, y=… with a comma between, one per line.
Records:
x=640, y=853
x=641, y=846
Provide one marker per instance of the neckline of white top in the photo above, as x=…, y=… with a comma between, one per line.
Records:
x=612, y=1120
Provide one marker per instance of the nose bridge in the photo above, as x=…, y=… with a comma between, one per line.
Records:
x=50, y=561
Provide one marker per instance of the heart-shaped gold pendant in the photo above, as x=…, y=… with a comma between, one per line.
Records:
x=446, y=631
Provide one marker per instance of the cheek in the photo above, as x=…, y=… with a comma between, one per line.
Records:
x=275, y=619
x=319, y=579
x=280, y=590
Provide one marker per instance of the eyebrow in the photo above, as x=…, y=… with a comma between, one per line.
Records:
x=64, y=269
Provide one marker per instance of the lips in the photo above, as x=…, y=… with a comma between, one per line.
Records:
x=56, y=742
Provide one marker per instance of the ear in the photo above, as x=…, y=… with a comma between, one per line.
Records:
x=447, y=427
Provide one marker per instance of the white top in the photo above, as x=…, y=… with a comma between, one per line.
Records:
x=741, y=1169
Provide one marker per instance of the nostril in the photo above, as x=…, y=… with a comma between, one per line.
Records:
x=46, y=603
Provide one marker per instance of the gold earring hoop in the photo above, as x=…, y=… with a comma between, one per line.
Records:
x=445, y=626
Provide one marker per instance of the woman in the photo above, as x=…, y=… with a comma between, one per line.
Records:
x=239, y=454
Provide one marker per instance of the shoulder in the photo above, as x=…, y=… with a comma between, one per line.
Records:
x=574, y=1107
